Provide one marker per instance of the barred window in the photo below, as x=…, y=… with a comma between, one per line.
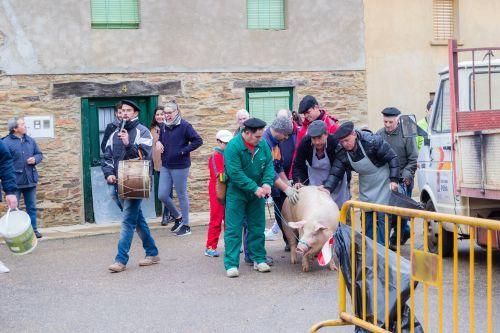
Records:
x=444, y=19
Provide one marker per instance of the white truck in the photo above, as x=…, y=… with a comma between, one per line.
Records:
x=459, y=164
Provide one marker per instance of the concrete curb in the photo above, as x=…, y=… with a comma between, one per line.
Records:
x=92, y=229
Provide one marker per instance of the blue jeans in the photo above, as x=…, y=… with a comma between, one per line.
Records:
x=29, y=194
x=177, y=178
x=113, y=193
x=133, y=219
x=380, y=226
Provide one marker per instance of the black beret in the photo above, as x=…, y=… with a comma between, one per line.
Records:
x=306, y=103
x=132, y=104
x=316, y=128
x=391, y=112
x=255, y=123
x=344, y=130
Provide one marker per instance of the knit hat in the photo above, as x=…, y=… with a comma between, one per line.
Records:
x=283, y=125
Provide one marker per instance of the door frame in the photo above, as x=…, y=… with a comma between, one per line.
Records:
x=86, y=119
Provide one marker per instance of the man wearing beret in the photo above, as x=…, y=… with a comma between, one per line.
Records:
x=125, y=144
x=311, y=111
x=250, y=172
x=406, y=149
x=278, y=132
x=377, y=165
x=314, y=159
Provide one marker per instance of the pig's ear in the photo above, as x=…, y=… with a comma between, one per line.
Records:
x=319, y=227
x=296, y=225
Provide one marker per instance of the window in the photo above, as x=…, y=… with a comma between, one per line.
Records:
x=266, y=14
x=443, y=20
x=442, y=120
x=264, y=103
x=483, y=93
x=115, y=14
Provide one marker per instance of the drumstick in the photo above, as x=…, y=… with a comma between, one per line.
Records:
x=122, y=125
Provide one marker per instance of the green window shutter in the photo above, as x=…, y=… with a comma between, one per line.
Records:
x=264, y=105
x=115, y=14
x=266, y=14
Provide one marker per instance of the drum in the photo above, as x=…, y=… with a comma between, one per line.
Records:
x=133, y=179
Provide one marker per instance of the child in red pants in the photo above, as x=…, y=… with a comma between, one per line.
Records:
x=216, y=168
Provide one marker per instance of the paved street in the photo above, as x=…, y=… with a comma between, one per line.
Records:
x=64, y=286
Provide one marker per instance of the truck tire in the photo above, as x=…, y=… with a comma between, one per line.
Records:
x=432, y=235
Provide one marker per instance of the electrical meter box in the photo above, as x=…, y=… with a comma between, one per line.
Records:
x=40, y=126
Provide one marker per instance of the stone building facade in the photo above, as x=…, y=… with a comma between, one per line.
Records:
x=207, y=100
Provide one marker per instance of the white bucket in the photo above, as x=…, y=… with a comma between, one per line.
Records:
x=15, y=227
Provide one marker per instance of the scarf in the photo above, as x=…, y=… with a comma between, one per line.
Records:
x=175, y=122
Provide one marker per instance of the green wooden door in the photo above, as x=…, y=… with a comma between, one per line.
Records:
x=96, y=114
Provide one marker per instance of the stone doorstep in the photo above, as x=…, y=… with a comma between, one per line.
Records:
x=92, y=229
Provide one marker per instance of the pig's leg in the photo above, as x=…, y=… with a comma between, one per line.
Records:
x=292, y=241
x=332, y=265
x=306, y=261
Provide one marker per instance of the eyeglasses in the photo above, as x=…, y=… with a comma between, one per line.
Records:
x=169, y=112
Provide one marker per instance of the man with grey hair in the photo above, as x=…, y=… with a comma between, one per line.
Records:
x=241, y=116
x=26, y=155
x=280, y=130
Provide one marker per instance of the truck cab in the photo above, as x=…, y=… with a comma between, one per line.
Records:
x=459, y=163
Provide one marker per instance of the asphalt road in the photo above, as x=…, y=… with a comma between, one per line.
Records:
x=64, y=286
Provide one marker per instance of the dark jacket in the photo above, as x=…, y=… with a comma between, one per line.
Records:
x=405, y=148
x=7, y=170
x=115, y=151
x=178, y=142
x=287, y=148
x=377, y=150
x=21, y=149
x=110, y=128
x=305, y=153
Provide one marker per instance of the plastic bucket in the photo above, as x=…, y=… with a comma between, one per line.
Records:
x=15, y=227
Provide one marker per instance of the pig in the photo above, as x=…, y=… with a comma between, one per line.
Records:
x=315, y=217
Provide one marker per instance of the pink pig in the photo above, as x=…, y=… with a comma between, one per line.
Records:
x=317, y=217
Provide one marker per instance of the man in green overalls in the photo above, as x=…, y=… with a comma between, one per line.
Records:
x=250, y=172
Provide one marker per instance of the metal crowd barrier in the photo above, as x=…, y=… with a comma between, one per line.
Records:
x=426, y=269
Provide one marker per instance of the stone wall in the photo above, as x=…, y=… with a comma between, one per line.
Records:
x=207, y=100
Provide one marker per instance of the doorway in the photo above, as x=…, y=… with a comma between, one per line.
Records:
x=96, y=114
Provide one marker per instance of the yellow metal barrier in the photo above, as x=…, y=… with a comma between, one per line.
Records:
x=426, y=269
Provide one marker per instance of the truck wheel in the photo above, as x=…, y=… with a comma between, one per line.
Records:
x=432, y=235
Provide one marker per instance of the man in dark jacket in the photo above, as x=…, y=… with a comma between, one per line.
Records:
x=377, y=165
x=406, y=149
x=9, y=186
x=314, y=159
x=125, y=145
x=111, y=127
x=26, y=155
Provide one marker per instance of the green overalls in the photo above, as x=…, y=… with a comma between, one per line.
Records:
x=246, y=172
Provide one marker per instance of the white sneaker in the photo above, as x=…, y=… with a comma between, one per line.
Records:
x=262, y=267
x=270, y=235
x=3, y=268
x=232, y=272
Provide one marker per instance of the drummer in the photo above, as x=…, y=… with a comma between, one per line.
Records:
x=125, y=144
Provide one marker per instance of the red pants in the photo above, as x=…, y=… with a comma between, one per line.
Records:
x=216, y=217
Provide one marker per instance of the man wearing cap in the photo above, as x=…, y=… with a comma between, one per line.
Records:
x=125, y=144
x=309, y=107
x=377, y=165
x=249, y=168
x=26, y=156
x=315, y=156
x=279, y=131
x=407, y=152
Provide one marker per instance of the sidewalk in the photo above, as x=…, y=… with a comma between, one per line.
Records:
x=92, y=229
